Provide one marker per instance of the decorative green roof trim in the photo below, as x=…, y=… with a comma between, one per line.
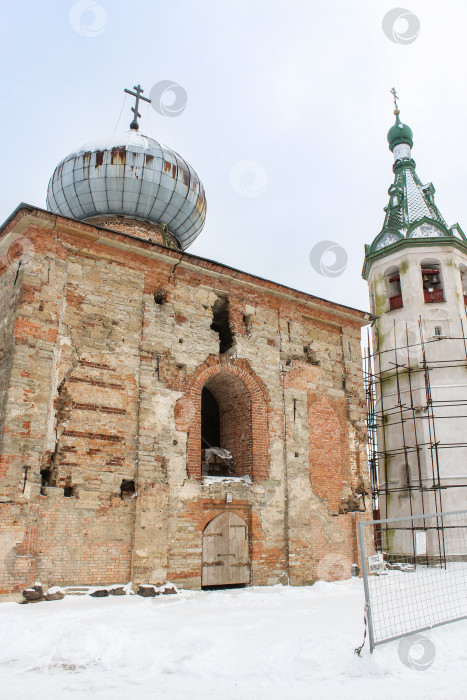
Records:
x=411, y=243
x=385, y=239
x=427, y=226
x=457, y=232
x=402, y=164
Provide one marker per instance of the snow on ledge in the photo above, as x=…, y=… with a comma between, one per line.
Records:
x=227, y=479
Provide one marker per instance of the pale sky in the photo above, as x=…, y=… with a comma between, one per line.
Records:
x=286, y=115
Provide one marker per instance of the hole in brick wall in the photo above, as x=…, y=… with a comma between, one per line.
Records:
x=127, y=489
x=220, y=323
x=47, y=479
x=310, y=355
x=46, y=476
x=160, y=296
x=68, y=489
x=247, y=324
x=296, y=454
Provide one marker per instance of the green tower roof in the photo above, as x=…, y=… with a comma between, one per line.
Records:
x=411, y=216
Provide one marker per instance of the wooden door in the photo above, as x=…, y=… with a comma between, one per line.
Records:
x=225, y=551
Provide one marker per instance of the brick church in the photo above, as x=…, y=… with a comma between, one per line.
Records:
x=163, y=416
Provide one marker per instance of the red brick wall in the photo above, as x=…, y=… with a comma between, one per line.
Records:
x=325, y=452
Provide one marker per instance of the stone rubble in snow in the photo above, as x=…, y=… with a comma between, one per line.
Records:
x=36, y=592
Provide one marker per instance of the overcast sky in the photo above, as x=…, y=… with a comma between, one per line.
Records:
x=285, y=118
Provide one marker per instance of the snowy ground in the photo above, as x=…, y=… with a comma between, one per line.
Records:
x=254, y=643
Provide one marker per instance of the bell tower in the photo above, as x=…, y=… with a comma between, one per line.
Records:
x=416, y=269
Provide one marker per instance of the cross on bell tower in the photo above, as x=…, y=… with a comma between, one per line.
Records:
x=396, y=97
x=138, y=94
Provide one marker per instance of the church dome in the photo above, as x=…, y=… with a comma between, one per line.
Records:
x=131, y=176
x=399, y=133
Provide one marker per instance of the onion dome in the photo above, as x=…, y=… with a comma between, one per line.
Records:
x=132, y=177
x=399, y=133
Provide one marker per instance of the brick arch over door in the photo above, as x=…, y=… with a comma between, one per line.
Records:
x=236, y=376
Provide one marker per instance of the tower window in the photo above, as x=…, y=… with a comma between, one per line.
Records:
x=438, y=331
x=463, y=272
x=394, y=290
x=432, y=283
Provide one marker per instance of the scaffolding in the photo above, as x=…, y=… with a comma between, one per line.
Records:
x=406, y=416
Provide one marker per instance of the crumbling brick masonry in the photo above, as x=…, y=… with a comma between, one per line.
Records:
x=108, y=340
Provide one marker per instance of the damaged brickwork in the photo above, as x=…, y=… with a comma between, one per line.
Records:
x=107, y=341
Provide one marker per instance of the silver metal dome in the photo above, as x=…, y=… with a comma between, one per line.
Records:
x=132, y=176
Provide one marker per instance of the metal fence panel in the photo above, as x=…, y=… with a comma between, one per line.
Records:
x=415, y=573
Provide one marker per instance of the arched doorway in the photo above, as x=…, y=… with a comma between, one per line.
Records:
x=225, y=551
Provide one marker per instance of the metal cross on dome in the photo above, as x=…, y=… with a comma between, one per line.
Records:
x=138, y=94
x=395, y=95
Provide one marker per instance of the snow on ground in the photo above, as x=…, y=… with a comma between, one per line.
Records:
x=253, y=643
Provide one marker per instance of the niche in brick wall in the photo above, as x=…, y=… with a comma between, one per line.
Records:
x=221, y=324
x=226, y=423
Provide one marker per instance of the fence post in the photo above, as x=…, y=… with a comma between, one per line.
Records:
x=365, y=584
